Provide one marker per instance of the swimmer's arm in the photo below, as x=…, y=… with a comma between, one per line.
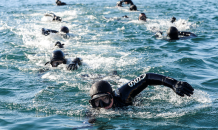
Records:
x=74, y=64
x=48, y=31
x=134, y=87
x=179, y=87
x=187, y=34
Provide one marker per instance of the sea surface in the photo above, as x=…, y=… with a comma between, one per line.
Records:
x=38, y=97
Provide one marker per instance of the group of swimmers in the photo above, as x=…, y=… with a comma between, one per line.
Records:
x=101, y=93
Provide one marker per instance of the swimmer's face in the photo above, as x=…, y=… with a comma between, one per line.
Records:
x=103, y=102
x=56, y=63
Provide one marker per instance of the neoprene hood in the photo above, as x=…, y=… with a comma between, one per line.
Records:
x=100, y=88
x=173, y=33
x=64, y=29
x=58, y=55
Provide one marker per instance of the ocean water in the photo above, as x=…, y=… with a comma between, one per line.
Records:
x=58, y=99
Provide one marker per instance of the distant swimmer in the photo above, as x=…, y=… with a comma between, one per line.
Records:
x=64, y=32
x=102, y=95
x=132, y=6
x=173, y=20
x=125, y=17
x=59, y=45
x=174, y=34
x=59, y=3
x=142, y=17
x=58, y=57
x=53, y=17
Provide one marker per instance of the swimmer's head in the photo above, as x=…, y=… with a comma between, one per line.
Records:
x=142, y=16
x=57, y=18
x=173, y=20
x=173, y=33
x=101, y=95
x=59, y=45
x=64, y=29
x=57, y=58
x=133, y=8
x=119, y=3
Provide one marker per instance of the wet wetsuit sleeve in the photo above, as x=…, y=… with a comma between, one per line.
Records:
x=134, y=87
x=187, y=34
x=52, y=31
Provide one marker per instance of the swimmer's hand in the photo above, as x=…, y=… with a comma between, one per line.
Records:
x=183, y=88
x=74, y=64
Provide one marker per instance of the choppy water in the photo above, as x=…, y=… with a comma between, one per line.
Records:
x=58, y=99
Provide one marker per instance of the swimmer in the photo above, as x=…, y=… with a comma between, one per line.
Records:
x=53, y=16
x=102, y=95
x=173, y=20
x=117, y=18
x=174, y=34
x=64, y=31
x=58, y=2
x=132, y=6
x=142, y=17
x=58, y=57
x=59, y=45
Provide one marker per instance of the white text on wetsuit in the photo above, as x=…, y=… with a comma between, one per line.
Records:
x=136, y=80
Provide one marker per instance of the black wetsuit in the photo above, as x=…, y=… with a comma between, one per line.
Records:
x=186, y=35
x=124, y=95
x=121, y=2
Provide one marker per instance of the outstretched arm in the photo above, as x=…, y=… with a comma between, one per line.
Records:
x=74, y=64
x=48, y=31
x=134, y=87
x=187, y=34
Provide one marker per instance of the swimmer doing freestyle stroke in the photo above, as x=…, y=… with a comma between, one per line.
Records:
x=102, y=95
x=64, y=32
x=58, y=57
x=132, y=6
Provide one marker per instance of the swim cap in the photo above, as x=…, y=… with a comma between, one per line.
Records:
x=133, y=7
x=99, y=89
x=64, y=29
x=57, y=55
x=173, y=33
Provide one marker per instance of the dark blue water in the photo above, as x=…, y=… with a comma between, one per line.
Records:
x=58, y=99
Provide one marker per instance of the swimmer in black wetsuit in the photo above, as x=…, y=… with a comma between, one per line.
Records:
x=59, y=3
x=173, y=20
x=142, y=17
x=55, y=18
x=58, y=58
x=59, y=45
x=174, y=34
x=132, y=6
x=64, y=32
x=102, y=95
